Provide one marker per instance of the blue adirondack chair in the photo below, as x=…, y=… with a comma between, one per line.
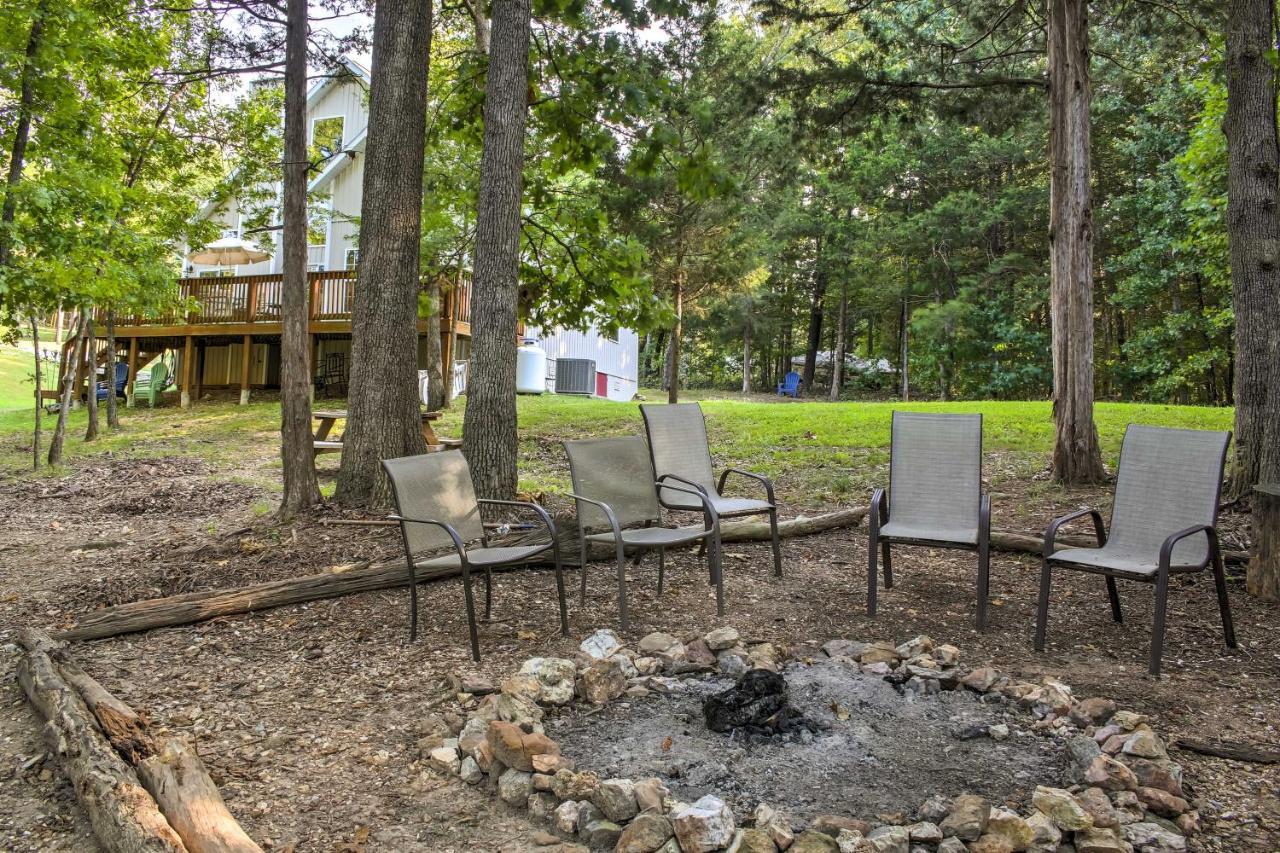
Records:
x=790, y=385
x=122, y=379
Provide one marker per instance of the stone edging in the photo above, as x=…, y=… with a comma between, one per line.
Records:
x=1126, y=795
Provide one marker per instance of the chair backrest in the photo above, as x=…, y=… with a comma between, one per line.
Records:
x=678, y=445
x=935, y=469
x=435, y=486
x=791, y=381
x=157, y=381
x=1169, y=480
x=617, y=471
x=122, y=376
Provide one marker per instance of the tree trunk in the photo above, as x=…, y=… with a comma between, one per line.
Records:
x=1253, y=231
x=489, y=427
x=437, y=393
x=1076, y=456
x=816, y=301
x=300, y=488
x=21, y=134
x=36, y=431
x=383, y=403
x=904, y=362
x=113, y=416
x=69, y=374
x=91, y=368
x=177, y=779
x=673, y=345
x=837, y=354
x=746, y=356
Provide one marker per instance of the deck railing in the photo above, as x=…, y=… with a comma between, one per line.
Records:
x=243, y=299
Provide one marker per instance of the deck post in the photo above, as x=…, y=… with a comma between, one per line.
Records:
x=247, y=347
x=199, y=368
x=133, y=373
x=188, y=354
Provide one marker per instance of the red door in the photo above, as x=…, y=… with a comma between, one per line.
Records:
x=602, y=384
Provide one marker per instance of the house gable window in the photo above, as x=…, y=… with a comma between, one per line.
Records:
x=326, y=139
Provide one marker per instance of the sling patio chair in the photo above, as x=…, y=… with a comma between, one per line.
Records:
x=616, y=495
x=1163, y=522
x=934, y=497
x=437, y=508
x=680, y=453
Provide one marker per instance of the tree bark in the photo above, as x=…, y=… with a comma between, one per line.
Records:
x=91, y=368
x=437, y=393
x=176, y=777
x=300, y=488
x=746, y=355
x=1253, y=231
x=842, y=334
x=71, y=370
x=113, y=416
x=1077, y=458
x=677, y=334
x=36, y=434
x=383, y=404
x=489, y=426
x=21, y=134
x=817, y=298
x=904, y=358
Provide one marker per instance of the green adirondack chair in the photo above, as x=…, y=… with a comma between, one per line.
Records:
x=158, y=381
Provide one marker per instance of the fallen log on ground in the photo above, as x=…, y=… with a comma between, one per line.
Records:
x=338, y=581
x=123, y=815
x=1234, y=750
x=176, y=794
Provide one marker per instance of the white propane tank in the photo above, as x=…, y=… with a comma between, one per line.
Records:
x=531, y=368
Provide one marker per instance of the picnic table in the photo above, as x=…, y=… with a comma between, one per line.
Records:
x=328, y=418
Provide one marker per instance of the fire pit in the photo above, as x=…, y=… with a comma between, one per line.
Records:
x=757, y=705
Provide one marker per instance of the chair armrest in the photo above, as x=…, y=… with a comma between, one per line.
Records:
x=446, y=527
x=750, y=475
x=1166, y=549
x=984, y=516
x=1051, y=534
x=702, y=490
x=608, y=512
x=713, y=517
x=878, y=513
x=539, y=511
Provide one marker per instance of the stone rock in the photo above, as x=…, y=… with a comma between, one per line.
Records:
x=721, y=638
x=472, y=735
x=565, y=818
x=547, y=762
x=519, y=711
x=1010, y=826
x=555, y=677
x=998, y=731
x=924, y=832
x=764, y=656
x=616, y=798
x=705, y=826
x=601, y=644
x=1129, y=720
x=645, y=834
x=542, y=805
x=1162, y=802
x=848, y=841
x=1145, y=743
x=514, y=748
x=879, y=668
x=890, y=839
x=934, y=809
x=662, y=645
x=752, y=841
x=952, y=845
x=575, y=786
x=1105, y=733
x=1045, y=834
x=626, y=664
x=671, y=846
x=981, y=679
x=524, y=686
x=1099, y=840
x=915, y=646
x=484, y=757
x=947, y=654
x=734, y=661
x=476, y=685
x=600, y=833
x=587, y=813
x=444, y=758
x=1188, y=824
x=515, y=786
x=776, y=824
x=844, y=649
x=602, y=682
x=1114, y=744
x=470, y=771
x=991, y=844
x=1098, y=805
x=651, y=795
x=647, y=665
x=1110, y=775
x=1060, y=807
x=544, y=782
x=1051, y=697
x=967, y=819
x=880, y=653
x=831, y=824
x=1092, y=711
x=698, y=654
x=1082, y=751
x=1128, y=808
x=1165, y=775
x=814, y=842
x=1153, y=838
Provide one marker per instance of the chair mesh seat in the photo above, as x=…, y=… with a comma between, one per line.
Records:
x=652, y=537
x=929, y=533
x=485, y=557
x=735, y=506
x=1117, y=558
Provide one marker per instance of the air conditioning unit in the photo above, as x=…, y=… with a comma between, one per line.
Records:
x=575, y=376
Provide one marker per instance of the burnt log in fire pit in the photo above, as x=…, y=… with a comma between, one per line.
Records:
x=758, y=704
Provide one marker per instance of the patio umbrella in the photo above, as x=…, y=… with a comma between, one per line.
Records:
x=228, y=252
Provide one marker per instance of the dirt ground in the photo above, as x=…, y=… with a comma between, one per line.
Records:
x=309, y=716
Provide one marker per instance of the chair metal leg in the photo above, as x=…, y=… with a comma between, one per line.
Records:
x=582, y=568
x=622, y=587
x=873, y=570
x=662, y=566
x=888, y=564
x=564, y=609
x=1114, y=595
x=984, y=582
x=777, y=547
x=717, y=571
x=1157, y=633
x=413, y=601
x=1042, y=610
x=471, y=612
x=1224, y=603
x=488, y=593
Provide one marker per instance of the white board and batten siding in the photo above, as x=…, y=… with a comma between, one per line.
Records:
x=615, y=357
